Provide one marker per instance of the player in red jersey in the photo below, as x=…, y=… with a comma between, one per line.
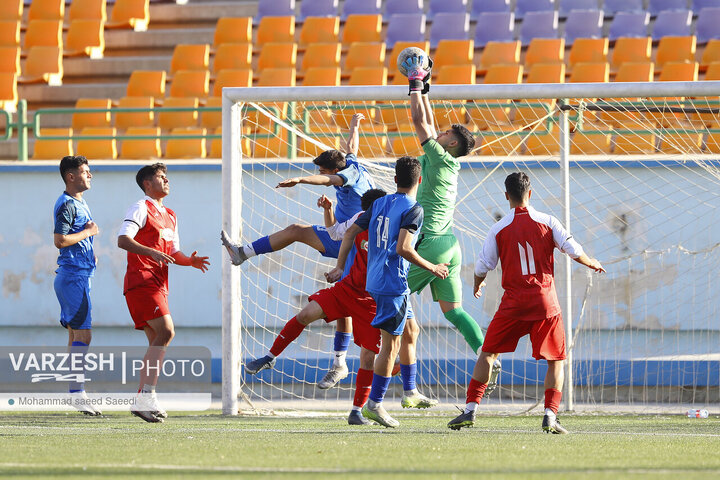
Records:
x=150, y=236
x=524, y=242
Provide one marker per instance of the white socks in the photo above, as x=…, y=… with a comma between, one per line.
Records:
x=551, y=415
x=339, y=360
x=410, y=393
x=471, y=407
x=248, y=250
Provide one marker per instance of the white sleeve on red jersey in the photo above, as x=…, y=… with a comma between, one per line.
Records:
x=134, y=219
x=337, y=231
x=563, y=240
x=489, y=256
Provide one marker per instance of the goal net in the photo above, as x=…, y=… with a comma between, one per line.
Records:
x=631, y=169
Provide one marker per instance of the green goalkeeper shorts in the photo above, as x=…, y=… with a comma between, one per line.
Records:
x=438, y=249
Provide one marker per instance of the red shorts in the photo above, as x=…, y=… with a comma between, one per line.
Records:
x=340, y=301
x=146, y=303
x=546, y=336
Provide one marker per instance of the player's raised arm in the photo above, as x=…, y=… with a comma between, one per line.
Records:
x=328, y=213
x=353, y=141
x=419, y=69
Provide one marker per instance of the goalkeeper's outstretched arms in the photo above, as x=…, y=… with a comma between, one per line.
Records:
x=420, y=110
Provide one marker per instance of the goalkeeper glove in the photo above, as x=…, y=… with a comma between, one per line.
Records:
x=417, y=72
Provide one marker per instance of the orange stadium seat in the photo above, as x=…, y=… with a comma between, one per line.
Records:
x=375, y=145
x=276, y=30
x=406, y=145
x=713, y=71
x=499, y=53
x=453, y=52
x=362, y=76
x=233, y=55
x=630, y=49
x=588, y=50
x=320, y=30
x=11, y=10
x=675, y=72
x=362, y=28
x=364, y=54
x=8, y=92
x=496, y=112
x=86, y=37
x=43, y=33
x=675, y=49
x=233, y=30
x=711, y=119
x=501, y=140
x=43, y=64
x=232, y=77
x=9, y=33
x=448, y=114
x=540, y=73
x=46, y=10
x=125, y=120
x=543, y=143
x=269, y=146
x=101, y=148
x=321, y=76
x=190, y=57
x=321, y=55
x=141, y=148
x=190, y=83
x=216, y=145
x=712, y=142
x=52, y=149
x=147, y=83
x=328, y=135
x=590, y=72
x=277, y=55
x=10, y=60
x=635, y=143
x=277, y=77
x=369, y=76
x=133, y=14
x=545, y=50
x=93, y=119
x=710, y=54
x=211, y=120
x=186, y=147
x=631, y=72
x=171, y=120
x=681, y=142
x=88, y=10
x=591, y=142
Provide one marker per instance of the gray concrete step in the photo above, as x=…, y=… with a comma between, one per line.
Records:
x=195, y=11
x=113, y=66
x=71, y=92
x=160, y=38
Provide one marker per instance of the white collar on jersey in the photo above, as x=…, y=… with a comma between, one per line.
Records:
x=157, y=205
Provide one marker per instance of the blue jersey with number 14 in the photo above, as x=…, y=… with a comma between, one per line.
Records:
x=386, y=270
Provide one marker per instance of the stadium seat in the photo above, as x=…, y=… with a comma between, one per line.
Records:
x=539, y=25
x=545, y=50
x=698, y=5
x=632, y=143
x=368, y=76
x=190, y=57
x=147, y=83
x=364, y=54
x=495, y=112
x=675, y=23
x=706, y=27
x=568, y=5
x=134, y=14
x=362, y=76
x=86, y=37
x=232, y=55
x=583, y=24
x=276, y=30
x=394, y=7
x=141, y=148
x=523, y=7
x=494, y=27
x=169, y=120
x=94, y=119
x=277, y=77
x=190, y=83
x=591, y=142
x=488, y=6
x=43, y=64
x=540, y=73
x=374, y=145
x=187, y=147
x=586, y=50
x=318, y=8
x=630, y=72
x=216, y=143
x=710, y=54
x=449, y=26
x=322, y=55
x=657, y=6
x=499, y=53
x=43, y=33
x=546, y=142
x=46, y=10
x=275, y=8
x=712, y=142
x=52, y=149
x=399, y=47
x=233, y=30
x=270, y=145
x=361, y=7
x=675, y=49
x=406, y=145
x=405, y=27
x=590, y=72
x=211, y=120
x=9, y=33
x=675, y=72
x=10, y=60
x=320, y=30
x=101, y=148
x=629, y=24
x=232, y=77
x=328, y=135
x=613, y=7
x=125, y=120
x=502, y=140
x=277, y=55
x=447, y=6
x=453, y=52
x=631, y=50
x=321, y=76
x=8, y=92
x=446, y=115
x=88, y=10
x=362, y=28
x=11, y=10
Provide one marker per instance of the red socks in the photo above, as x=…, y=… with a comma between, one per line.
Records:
x=363, y=381
x=475, y=391
x=290, y=332
x=552, y=399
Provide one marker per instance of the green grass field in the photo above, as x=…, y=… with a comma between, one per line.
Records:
x=195, y=446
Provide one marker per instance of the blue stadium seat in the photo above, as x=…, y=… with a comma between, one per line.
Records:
x=657, y=6
x=275, y=8
x=361, y=7
x=494, y=27
x=484, y=6
x=447, y=6
x=318, y=8
x=629, y=24
x=449, y=26
x=611, y=7
x=698, y=5
x=393, y=7
x=539, y=25
x=522, y=7
x=583, y=24
x=708, y=24
x=674, y=23
x=405, y=27
x=567, y=5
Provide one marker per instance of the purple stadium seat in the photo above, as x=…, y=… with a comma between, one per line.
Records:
x=583, y=24
x=675, y=23
x=318, y=8
x=611, y=7
x=449, y=26
x=629, y=24
x=708, y=24
x=393, y=7
x=361, y=7
x=405, y=27
x=447, y=6
x=522, y=7
x=539, y=25
x=275, y=8
x=484, y=6
x=698, y=5
x=567, y=5
x=657, y=6
x=494, y=27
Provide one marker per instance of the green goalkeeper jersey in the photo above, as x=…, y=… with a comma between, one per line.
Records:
x=438, y=191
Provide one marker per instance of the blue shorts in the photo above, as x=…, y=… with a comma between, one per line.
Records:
x=392, y=313
x=73, y=293
x=332, y=247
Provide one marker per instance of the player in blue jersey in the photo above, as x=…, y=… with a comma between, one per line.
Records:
x=391, y=223
x=350, y=180
x=73, y=235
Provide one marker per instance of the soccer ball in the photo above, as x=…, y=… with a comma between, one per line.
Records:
x=409, y=52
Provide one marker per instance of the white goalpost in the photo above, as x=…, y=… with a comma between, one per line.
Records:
x=635, y=177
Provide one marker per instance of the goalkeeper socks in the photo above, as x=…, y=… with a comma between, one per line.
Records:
x=363, y=381
x=408, y=373
x=552, y=400
x=287, y=335
x=379, y=387
x=467, y=327
x=78, y=347
x=475, y=392
x=341, y=344
x=258, y=247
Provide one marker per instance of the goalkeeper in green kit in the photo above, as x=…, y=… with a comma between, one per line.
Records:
x=437, y=195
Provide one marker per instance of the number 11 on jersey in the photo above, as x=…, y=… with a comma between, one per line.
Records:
x=527, y=261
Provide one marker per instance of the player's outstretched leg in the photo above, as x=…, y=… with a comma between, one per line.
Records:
x=271, y=243
x=237, y=255
x=262, y=363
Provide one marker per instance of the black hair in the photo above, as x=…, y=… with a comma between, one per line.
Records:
x=407, y=172
x=147, y=172
x=466, y=141
x=330, y=159
x=370, y=196
x=517, y=185
x=71, y=162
